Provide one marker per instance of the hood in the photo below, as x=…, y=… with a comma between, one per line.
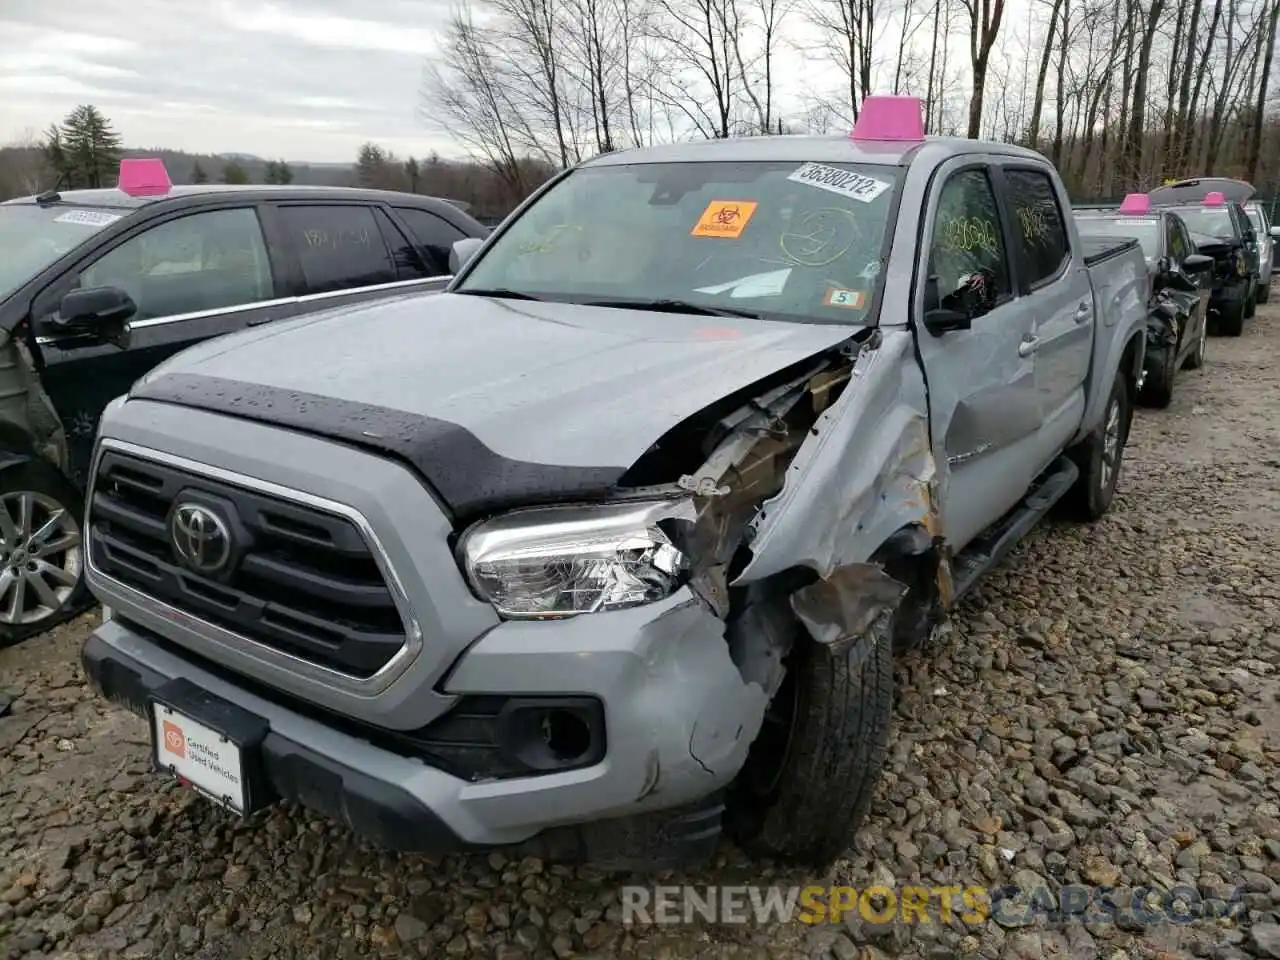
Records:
x=495, y=402
x=1211, y=244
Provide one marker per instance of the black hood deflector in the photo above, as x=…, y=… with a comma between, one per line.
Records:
x=467, y=477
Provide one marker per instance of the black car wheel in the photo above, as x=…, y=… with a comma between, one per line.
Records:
x=1231, y=320
x=1157, y=390
x=1195, y=360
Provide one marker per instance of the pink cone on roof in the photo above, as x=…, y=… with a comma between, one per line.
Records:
x=889, y=119
x=1136, y=203
x=143, y=177
x=1215, y=199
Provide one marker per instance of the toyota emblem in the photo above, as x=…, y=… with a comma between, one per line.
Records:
x=200, y=538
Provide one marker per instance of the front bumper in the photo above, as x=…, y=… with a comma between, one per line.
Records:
x=678, y=715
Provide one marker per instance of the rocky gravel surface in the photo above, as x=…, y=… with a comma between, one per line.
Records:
x=1102, y=712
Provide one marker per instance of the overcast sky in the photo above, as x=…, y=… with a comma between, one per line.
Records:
x=300, y=80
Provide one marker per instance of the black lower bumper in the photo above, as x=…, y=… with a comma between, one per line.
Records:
x=383, y=812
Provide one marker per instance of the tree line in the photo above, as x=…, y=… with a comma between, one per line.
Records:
x=84, y=152
x=1118, y=93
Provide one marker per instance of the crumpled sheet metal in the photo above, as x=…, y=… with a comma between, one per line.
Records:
x=866, y=472
x=25, y=406
x=839, y=610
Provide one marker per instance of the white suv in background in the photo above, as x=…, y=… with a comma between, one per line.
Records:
x=1267, y=235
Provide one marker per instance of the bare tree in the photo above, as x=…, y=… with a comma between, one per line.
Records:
x=984, y=27
x=848, y=28
x=700, y=36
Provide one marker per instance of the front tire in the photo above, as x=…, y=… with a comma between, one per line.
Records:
x=1157, y=391
x=1264, y=291
x=807, y=783
x=41, y=551
x=1099, y=457
x=1231, y=320
x=1251, y=304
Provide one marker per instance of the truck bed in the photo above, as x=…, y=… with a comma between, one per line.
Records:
x=1098, y=249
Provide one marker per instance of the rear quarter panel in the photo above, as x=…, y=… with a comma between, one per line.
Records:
x=1120, y=284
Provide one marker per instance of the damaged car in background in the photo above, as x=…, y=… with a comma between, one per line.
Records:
x=608, y=549
x=98, y=286
x=1178, y=308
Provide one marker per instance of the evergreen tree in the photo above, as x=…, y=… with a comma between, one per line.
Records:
x=413, y=173
x=371, y=166
x=85, y=151
x=278, y=172
x=198, y=174
x=234, y=173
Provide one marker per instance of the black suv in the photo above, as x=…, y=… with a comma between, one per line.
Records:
x=1212, y=210
x=1179, y=295
x=99, y=286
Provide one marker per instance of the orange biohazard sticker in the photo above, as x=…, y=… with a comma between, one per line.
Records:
x=852, y=299
x=724, y=218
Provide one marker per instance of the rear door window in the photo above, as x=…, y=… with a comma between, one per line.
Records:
x=339, y=247
x=1039, y=221
x=434, y=235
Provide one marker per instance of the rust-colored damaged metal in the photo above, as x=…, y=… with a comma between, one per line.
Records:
x=840, y=610
x=748, y=468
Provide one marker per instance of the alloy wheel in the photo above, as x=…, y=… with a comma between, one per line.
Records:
x=40, y=557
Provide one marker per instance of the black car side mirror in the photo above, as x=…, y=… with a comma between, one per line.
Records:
x=1196, y=262
x=974, y=296
x=98, y=313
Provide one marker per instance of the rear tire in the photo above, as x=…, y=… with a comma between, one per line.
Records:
x=807, y=783
x=1157, y=391
x=41, y=551
x=1251, y=303
x=1100, y=456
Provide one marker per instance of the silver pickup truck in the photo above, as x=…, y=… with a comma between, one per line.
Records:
x=608, y=548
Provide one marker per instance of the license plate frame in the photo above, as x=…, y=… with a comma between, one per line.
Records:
x=217, y=746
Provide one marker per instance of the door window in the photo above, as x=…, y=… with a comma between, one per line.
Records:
x=339, y=247
x=205, y=261
x=968, y=239
x=1178, y=250
x=434, y=235
x=1040, y=226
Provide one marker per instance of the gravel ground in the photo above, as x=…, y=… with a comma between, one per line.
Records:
x=1103, y=711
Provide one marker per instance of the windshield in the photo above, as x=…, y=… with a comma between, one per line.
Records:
x=32, y=237
x=1145, y=231
x=781, y=240
x=1211, y=221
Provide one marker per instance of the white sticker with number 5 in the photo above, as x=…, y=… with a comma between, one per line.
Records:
x=852, y=299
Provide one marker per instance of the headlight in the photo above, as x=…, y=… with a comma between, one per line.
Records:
x=562, y=561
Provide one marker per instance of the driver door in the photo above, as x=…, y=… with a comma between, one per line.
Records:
x=984, y=412
x=192, y=277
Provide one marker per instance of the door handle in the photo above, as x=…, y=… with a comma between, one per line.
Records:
x=1082, y=313
x=1028, y=346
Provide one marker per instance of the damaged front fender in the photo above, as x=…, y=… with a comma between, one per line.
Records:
x=839, y=610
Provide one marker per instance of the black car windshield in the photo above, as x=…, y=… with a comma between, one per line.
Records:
x=1211, y=221
x=781, y=240
x=1146, y=230
x=32, y=237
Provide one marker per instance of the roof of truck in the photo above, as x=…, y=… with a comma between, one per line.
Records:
x=801, y=149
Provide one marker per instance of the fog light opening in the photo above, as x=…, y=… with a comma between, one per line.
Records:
x=566, y=735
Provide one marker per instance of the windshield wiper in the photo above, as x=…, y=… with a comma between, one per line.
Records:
x=673, y=306
x=499, y=292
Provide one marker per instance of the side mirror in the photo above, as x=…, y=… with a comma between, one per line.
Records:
x=974, y=296
x=1275, y=232
x=98, y=310
x=1196, y=262
x=463, y=250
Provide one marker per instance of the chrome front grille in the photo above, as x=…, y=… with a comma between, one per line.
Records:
x=297, y=579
